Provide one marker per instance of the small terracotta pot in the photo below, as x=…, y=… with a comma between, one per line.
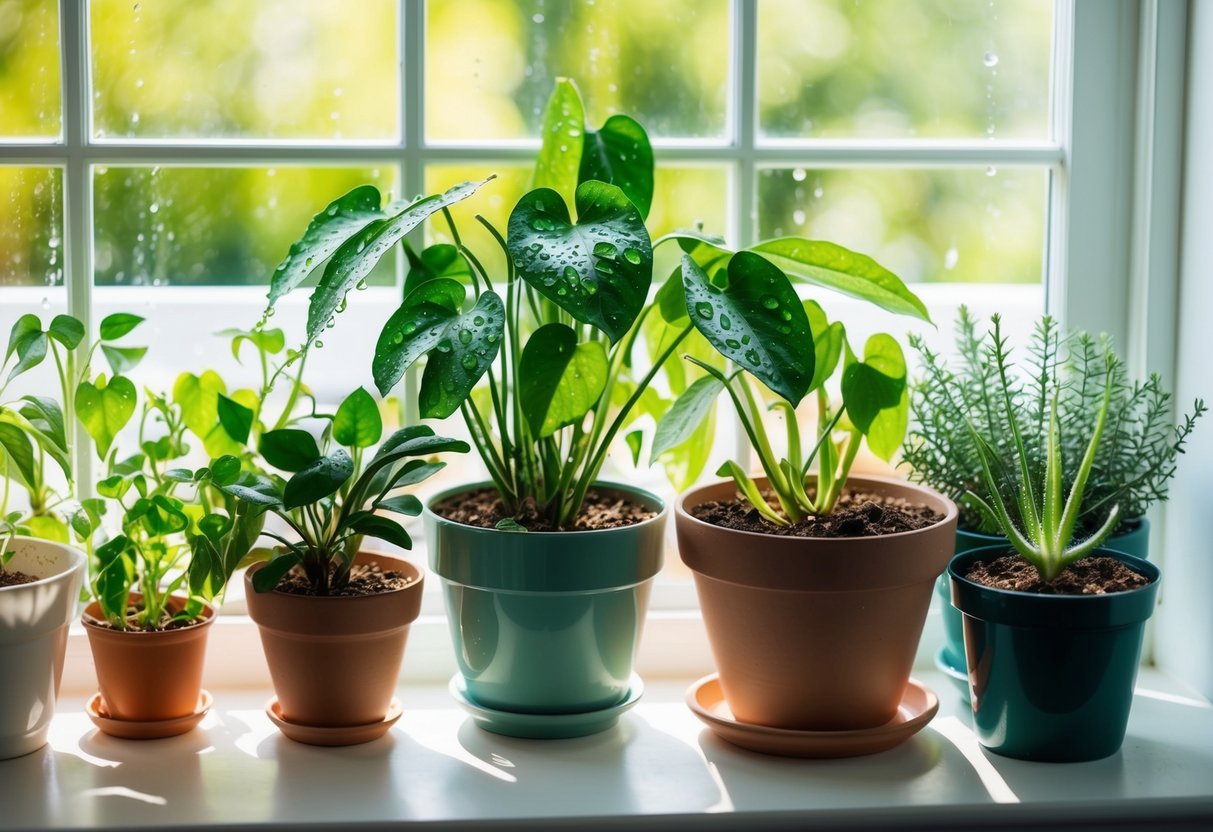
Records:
x=335, y=660
x=815, y=634
x=148, y=676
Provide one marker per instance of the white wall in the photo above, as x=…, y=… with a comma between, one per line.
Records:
x=1184, y=643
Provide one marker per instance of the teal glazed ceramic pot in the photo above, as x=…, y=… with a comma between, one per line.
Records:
x=951, y=658
x=1051, y=676
x=547, y=622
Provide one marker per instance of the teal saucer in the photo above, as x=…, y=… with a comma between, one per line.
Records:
x=544, y=726
x=948, y=666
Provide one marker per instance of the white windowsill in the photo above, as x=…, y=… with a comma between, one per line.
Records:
x=660, y=767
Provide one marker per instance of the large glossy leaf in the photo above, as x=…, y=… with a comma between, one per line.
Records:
x=24, y=328
x=67, y=330
x=46, y=418
x=559, y=380
x=620, y=153
x=756, y=321
x=30, y=349
x=236, y=419
x=828, y=340
x=686, y=415
x=319, y=480
x=105, y=408
x=834, y=267
x=357, y=423
x=354, y=260
x=342, y=219
x=598, y=270
x=463, y=354
x=671, y=298
x=382, y=528
x=18, y=447
x=874, y=392
x=416, y=328
x=289, y=449
x=560, y=154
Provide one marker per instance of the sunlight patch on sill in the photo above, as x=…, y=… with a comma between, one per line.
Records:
x=961, y=736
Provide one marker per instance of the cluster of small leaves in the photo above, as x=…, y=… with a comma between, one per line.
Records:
x=331, y=499
x=1135, y=460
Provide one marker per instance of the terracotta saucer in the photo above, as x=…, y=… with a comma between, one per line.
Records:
x=918, y=706
x=544, y=726
x=334, y=735
x=946, y=663
x=130, y=729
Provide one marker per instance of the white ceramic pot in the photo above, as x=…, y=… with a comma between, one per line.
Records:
x=34, y=619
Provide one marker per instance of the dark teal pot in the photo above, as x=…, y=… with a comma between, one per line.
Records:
x=546, y=622
x=1051, y=676
x=952, y=658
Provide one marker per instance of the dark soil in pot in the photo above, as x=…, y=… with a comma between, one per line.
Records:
x=601, y=510
x=365, y=579
x=857, y=514
x=1090, y=576
x=15, y=578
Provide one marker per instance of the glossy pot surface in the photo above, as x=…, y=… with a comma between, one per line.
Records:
x=815, y=633
x=335, y=660
x=34, y=621
x=547, y=622
x=149, y=676
x=1051, y=676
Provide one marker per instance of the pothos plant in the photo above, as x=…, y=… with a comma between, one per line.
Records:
x=38, y=430
x=555, y=336
x=335, y=497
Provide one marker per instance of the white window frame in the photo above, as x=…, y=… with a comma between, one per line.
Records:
x=1109, y=142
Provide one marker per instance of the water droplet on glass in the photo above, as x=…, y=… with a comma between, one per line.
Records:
x=538, y=18
x=950, y=257
x=819, y=192
x=991, y=171
x=990, y=59
x=704, y=310
x=798, y=217
x=799, y=174
x=46, y=303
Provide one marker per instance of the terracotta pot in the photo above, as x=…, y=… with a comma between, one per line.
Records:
x=148, y=676
x=815, y=633
x=335, y=660
x=34, y=620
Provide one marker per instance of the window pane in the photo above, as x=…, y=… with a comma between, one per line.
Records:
x=684, y=196
x=979, y=225
x=490, y=64
x=31, y=227
x=304, y=69
x=896, y=69
x=212, y=226
x=30, y=104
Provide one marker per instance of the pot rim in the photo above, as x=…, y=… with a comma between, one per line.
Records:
x=1130, y=561
x=657, y=518
x=681, y=508
x=79, y=561
x=91, y=622
x=413, y=586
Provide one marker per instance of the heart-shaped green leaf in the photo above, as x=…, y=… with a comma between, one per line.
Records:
x=834, y=267
x=687, y=413
x=198, y=397
x=31, y=350
x=620, y=153
x=123, y=359
x=598, y=270
x=67, y=330
x=559, y=379
x=104, y=409
x=23, y=328
x=357, y=423
x=415, y=328
x=319, y=480
x=463, y=354
x=118, y=324
x=289, y=449
x=756, y=321
x=874, y=393
x=560, y=154
x=236, y=419
x=340, y=220
x=354, y=260
x=440, y=260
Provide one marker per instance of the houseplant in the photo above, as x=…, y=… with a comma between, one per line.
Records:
x=1053, y=623
x=334, y=616
x=1132, y=467
x=814, y=629
x=40, y=574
